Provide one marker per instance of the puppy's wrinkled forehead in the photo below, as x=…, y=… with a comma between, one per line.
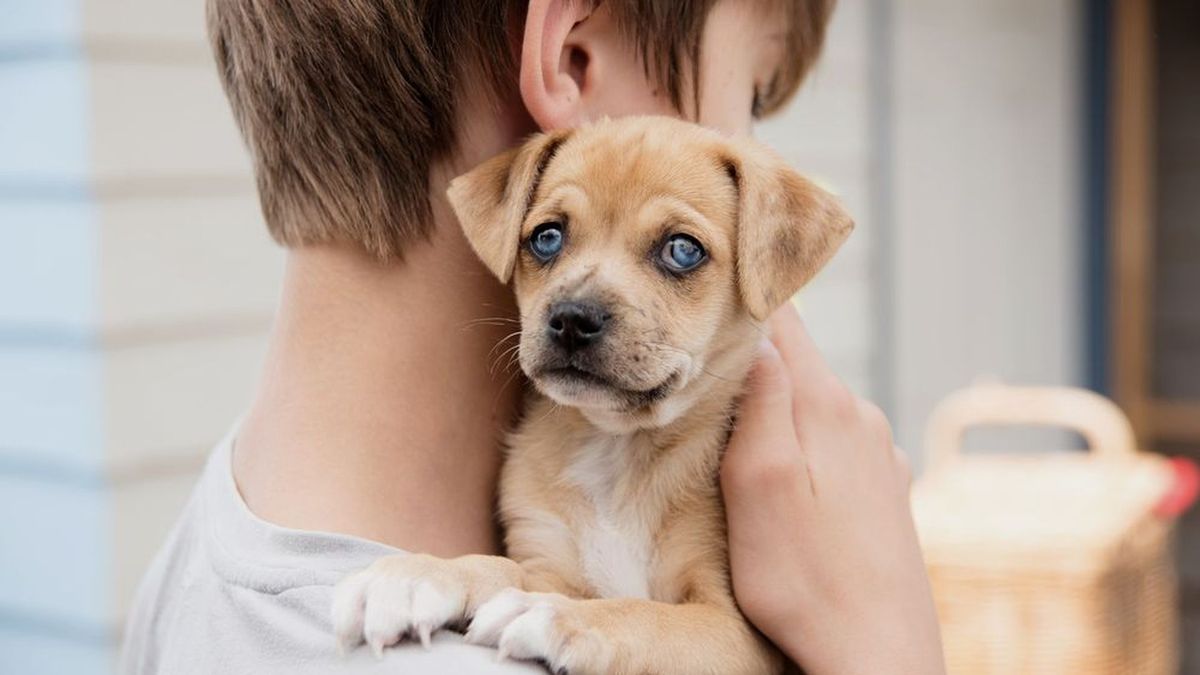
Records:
x=616, y=172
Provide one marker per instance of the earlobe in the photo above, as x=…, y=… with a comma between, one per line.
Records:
x=788, y=228
x=492, y=199
x=551, y=66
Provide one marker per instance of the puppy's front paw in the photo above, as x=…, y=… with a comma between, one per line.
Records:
x=545, y=627
x=398, y=596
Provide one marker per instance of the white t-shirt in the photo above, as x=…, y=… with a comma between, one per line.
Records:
x=230, y=593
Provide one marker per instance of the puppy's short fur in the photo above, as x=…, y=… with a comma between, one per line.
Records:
x=615, y=531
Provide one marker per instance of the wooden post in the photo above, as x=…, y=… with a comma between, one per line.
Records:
x=1132, y=232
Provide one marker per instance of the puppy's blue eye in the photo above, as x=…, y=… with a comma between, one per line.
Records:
x=682, y=253
x=546, y=240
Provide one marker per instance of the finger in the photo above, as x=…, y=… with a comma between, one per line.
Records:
x=815, y=387
x=799, y=352
x=765, y=414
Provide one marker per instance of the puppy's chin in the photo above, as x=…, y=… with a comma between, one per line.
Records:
x=608, y=405
x=580, y=388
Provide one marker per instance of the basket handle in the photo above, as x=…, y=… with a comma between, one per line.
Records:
x=1105, y=428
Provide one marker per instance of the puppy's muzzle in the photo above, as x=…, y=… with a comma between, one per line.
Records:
x=575, y=325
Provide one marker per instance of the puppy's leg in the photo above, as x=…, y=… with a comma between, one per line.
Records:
x=623, y=636
x=415, y=595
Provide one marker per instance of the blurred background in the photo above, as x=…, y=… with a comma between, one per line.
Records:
x=1025, y=173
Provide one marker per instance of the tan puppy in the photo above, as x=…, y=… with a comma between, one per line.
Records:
x=644, y=253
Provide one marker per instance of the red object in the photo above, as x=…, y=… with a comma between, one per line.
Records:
x=1182, y=493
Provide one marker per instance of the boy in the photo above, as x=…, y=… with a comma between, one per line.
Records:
x=377, y=423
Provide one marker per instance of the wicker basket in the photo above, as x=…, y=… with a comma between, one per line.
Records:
x=1055, y=563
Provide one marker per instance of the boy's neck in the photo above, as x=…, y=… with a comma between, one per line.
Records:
x=378, y=415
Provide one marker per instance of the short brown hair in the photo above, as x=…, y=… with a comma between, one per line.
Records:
x=345, y=104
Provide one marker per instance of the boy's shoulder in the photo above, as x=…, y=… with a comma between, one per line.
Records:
x=229, y=592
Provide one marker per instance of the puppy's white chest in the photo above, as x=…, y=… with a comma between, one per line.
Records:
x=614, y=544
x=616, y=559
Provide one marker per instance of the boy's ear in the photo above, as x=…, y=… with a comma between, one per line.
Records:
x=552, y=62
x=492, y=199
x=788, y=228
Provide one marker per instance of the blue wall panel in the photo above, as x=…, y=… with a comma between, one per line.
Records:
x=48, y=270
x=25, y=652
x=43, y=128
x=51, y=408
x=56, y=559
x=56, y=605
x=25, y=23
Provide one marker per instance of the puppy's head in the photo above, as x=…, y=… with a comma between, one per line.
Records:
x=643, y=252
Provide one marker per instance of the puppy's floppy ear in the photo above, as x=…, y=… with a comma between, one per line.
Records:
x=788, y=228
x=492, y=199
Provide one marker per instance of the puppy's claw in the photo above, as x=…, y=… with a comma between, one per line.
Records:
x=425, y=634
x=344, y=645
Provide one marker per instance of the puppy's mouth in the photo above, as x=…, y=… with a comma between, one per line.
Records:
x=574, y=376
x=579, y=375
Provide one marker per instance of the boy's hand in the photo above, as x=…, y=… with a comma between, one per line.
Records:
x=823, y=550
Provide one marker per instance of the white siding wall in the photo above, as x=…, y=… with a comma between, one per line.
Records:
x=987, y=181
x=826, y=135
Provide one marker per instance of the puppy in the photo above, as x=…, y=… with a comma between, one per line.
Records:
x=644, y=254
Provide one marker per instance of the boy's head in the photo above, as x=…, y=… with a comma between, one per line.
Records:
x=347, y=105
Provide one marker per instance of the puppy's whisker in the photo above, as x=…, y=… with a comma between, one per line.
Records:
x=510, y=355
x=554, y=407
x=489, y=321
x=495, y=358
x=493, y=319
x=502, y=340
x=670, y=348
x=504, y=387
x=510, y=351
x=715, y=376
x=502, y=364
x=678, y=350
x=514, y=361
x=486, y=322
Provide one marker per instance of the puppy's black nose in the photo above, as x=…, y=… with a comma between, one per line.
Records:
x=574, y=325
